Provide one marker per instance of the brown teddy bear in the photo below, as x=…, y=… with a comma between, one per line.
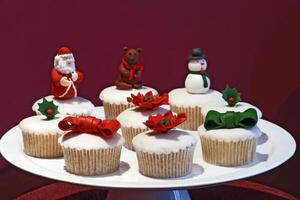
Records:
x=130, y=70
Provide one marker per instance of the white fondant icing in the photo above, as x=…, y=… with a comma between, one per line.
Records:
x=223, y=107
x=89, y=141
x=135, y=116
x=234, y=134
x=116, y=96
x=194, y=84
x=180, y=97
x=173, y=141
x=40, y=125
x=197, y=65
x=76, y=106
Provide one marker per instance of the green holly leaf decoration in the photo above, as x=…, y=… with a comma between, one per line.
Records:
x=48, y=109
x=146, y=99
x=231, y=96
x=165, y=121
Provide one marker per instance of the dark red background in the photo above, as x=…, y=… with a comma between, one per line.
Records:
x=252, y=45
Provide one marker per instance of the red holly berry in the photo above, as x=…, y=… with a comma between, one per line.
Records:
x=49, y=111
x=231, y=99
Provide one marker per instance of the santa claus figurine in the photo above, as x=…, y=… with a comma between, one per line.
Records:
x=64, y=75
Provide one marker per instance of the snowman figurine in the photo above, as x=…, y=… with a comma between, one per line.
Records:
x=197, y=81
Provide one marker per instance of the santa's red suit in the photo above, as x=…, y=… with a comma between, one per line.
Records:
x=62, y=92
x=64, y=78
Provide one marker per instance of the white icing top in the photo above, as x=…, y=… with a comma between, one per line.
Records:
x=89, y=141
x=233, y=134
x=223, y=107
x=116, y=96
x=180, y=97
x=173, y=141
x=135, y=116
x=197, y=65
x=40, y=125
x=76, y=106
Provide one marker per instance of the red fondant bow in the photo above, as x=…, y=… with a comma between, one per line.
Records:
x=132, y=69
x=163, y=123
x=148, y=100
x=88, y=124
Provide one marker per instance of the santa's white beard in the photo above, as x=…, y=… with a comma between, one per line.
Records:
x=65, y=69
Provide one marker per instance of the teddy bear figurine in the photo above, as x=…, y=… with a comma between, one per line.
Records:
x=130, y=70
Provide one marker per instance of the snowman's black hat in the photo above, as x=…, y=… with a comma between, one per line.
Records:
x=197, y=54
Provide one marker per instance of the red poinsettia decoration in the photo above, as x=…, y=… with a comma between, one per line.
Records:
x=88, y=124
x=148, y=101
x=164, y=123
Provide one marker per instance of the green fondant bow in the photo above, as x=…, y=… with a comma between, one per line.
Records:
x=231, y=119
x=204, y=76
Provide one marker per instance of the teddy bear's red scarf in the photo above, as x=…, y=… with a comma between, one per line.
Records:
x=132, y=69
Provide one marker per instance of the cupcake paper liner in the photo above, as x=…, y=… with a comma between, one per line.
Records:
x=170, y=165
x=194, y=117
x=129, y=133
x=113, y=110
x=92, y=162
x=228, y=153
x=41, y=145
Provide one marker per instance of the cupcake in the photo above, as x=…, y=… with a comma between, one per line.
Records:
x=231, y=103
x=196, y=94
x=229, y=138
x=229, y=134
x=40, y=133
x=164, y=152
x=65, y=79
x=129, y=82
x=132, y=120
x=91, y=146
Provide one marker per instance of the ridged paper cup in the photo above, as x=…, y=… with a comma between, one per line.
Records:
x=129, y=133
x=92, y=162
x=165, y=155
x=229, y=147
x=194, y=117
x=42, y=145
x=170, y=165
x=112, y=110
x=90, y=155
x=234, y=153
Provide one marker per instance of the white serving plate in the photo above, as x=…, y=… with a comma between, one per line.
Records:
x=275, y=147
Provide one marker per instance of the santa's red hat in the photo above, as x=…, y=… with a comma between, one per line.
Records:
x=64, y=50
x=61, y=51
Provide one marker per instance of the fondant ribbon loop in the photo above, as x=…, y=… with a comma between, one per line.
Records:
x=231, y=119
x=88, y=124
x=132, y=69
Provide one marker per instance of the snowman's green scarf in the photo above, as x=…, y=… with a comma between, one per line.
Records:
x=204, y=77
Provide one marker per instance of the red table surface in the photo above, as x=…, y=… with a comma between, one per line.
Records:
x=251, y=45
